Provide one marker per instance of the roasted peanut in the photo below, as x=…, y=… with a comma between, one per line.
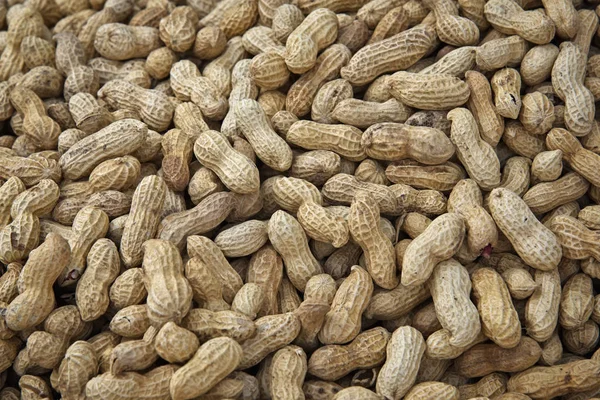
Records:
x=438, y=242
x=567, y=80
x=392, y=54
x=539, y=247
x=399, y=372
x=288, y=238
x=169, y=293
x=36, y=297
x=500, y=321
x=540, y=382
x=317, y=31
x=509, y=18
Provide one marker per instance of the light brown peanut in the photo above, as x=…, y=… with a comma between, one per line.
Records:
x=534, y=243
x=542, y=311
x=332, y=362
x=442, y=92
x=379, y=252
x=288, y=238
x=289, y=367
x=92, y=289
x=36, y=297
x=476, y=155
x=169, y=293
x=500, y=321
x=393, y=141
x=392, y=54
x=540, y=382
x=342, y=322
x=450, y=289
x=317, y=31
x=142, y=222
x=438, y=242
x=489, y=122
x=398, y=373
x=568, y=85
x=509, y=18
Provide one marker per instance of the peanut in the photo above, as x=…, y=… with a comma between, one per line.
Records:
x=580, y=159
x=342, y=322
x=534, y=243
x=574, y=237
x=169, y=293
x=568, y=73
x=392, y=54
x=543, y=382
x=378, y=249
x=269, y=147
x=442, y=92
x=438, y=242
x=450, y=289
x=92, y=288
x=142, y=222
x=154, y=107
x=327, y=67
x=451, y=28
x=128, y=289
x=342, y=139
x=36, y=298
x=542, y=311
x=287, y=327
x=509, y=18
x=117, y=41
x=544, y=197
x=398, y=373
x=332, y=362
x=500, y=321
x=317, y=31
x=131, y=385
x=233, y=169
x=536, y=66
x=392, y=141
x=288, y=238
x=289, y=368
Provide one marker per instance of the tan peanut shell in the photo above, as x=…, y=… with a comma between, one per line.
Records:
x=342, y=139
x=483, y=359
x=542, y=310
x=36, y=297
x=440, y=241
x=433, y=389
x=107, y=143
x=342, y=322
x=92, y=289
x=568, y=84
x=398, y=373
x=287, y=327
x=317, y=31
x=143, y=219
x=392, y=54
x=334, y=361
x=289, y=367
x=288, y=238
x=393, y=141
x=169, y=293
x=509, y=18
x=534, y=243
x=540, y=382
x=442, y=92
x=450, y=289
x=210, y=324
x=500, y=321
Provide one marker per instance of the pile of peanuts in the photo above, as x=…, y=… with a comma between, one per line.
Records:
x=299, y=199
